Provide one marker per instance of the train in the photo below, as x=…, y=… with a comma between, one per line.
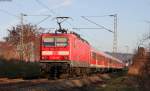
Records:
x=68, y=54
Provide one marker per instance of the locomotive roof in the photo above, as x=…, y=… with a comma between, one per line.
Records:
x=71, y=33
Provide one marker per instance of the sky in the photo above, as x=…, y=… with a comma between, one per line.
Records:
x=132, y=17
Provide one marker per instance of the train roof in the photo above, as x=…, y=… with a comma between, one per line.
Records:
x=107, y=55
x=67, y=34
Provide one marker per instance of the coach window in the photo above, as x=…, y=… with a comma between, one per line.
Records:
x=61, y=41
x=48, y=41
x=98, y=57
x=94, y=55
x=104, y=59
x=74, y=43
x=111, y=61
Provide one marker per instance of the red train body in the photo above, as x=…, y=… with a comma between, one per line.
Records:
x=105, y=61
x=61, y=49
x=65, y=48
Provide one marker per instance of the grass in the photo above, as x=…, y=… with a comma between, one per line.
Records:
x=117, y=83
x=112, y=88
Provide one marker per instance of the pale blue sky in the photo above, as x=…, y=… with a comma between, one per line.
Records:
x=132, y=15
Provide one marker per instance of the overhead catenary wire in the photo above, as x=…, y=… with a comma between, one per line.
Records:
x=86, y=28
x=97, y=16
x=43, y=5
x=39, y=16
x=89, y=36
x=8, y=13
x=43, y=20
x=46, y=7
x=113, y=31
x=97, y=24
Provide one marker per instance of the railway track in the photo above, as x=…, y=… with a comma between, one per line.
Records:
x=73, y=84
x=23, y=85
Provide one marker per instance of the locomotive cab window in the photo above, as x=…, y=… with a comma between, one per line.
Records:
x=55, y=41
x=61, y=41
x=48, y=41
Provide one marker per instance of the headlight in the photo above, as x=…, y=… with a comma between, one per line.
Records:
x=47, y=52
x=63, y=52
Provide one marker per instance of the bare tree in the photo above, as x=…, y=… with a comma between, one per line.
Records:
x=140, y=69
x=30, y=40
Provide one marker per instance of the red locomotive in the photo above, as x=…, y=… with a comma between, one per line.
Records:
x=69, y=54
